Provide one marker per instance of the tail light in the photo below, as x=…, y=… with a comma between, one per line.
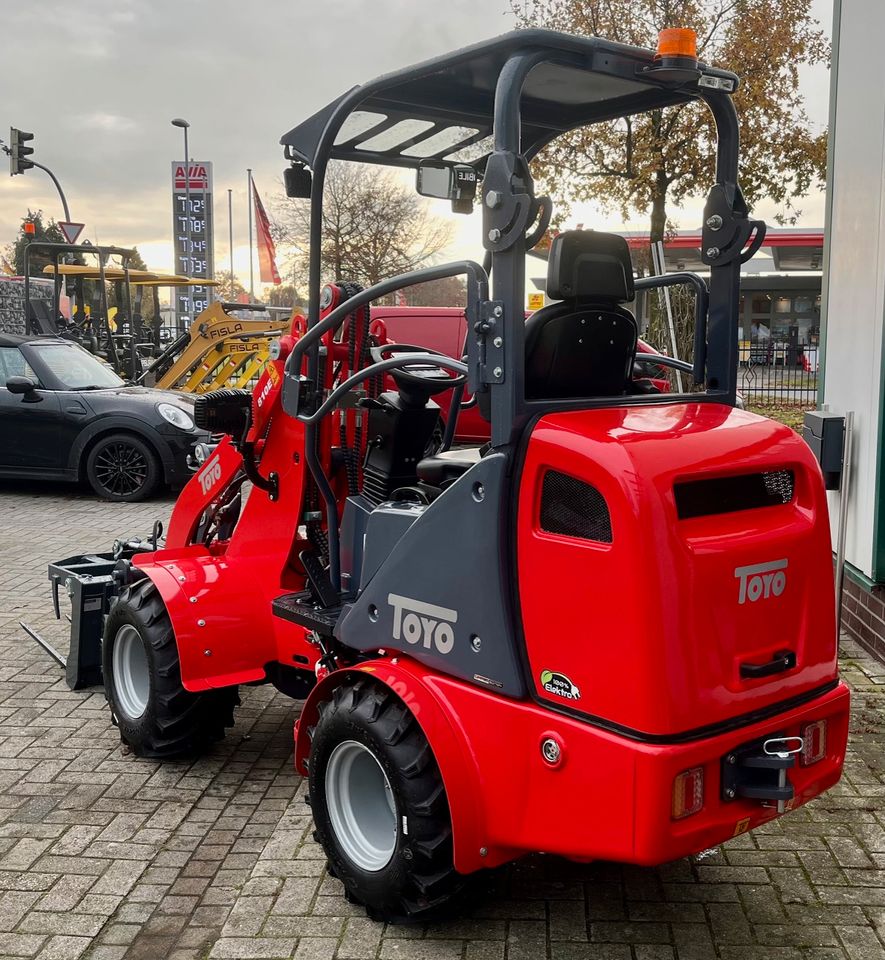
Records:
x=814, y=740
x=688, y=793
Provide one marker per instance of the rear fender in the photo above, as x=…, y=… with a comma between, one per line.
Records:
x=413, y=684
x=222, y=623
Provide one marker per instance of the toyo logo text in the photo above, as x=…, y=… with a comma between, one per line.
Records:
x=559, y=685
x=210, y=474
x=759, y=581
x=425, y=623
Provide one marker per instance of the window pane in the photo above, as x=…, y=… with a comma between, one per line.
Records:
x=761, y=303
x=75, y=368
x=441, y=140
x=473, y=152
x=13, y=364
x=360, y=121
x=398, y=133
x=783, y=305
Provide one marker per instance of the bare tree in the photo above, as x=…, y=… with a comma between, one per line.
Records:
x=373, y=226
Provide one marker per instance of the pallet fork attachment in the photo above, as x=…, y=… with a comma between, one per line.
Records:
x=92, y=581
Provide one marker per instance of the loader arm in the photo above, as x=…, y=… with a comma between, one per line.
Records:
x=213, y=332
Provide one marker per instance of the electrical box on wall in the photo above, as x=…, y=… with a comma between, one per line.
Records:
x=824, y=432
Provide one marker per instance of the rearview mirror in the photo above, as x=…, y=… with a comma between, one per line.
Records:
x=23, y=386
x=443, y=181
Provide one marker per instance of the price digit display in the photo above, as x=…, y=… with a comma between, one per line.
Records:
x=193, y=236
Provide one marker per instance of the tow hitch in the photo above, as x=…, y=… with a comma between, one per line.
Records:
x=758, y=771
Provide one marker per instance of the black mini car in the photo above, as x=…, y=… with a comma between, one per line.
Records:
x=65, y=415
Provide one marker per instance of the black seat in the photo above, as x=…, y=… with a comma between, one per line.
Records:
x=40, y=319
x=585, y=345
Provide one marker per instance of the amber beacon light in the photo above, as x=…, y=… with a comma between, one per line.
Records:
x=677, y=42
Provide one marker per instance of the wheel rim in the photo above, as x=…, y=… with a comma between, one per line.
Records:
x=132, y=682
x=121, y=468
x=361, y=806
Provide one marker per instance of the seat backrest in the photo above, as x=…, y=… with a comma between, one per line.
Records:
x=585, y=345
x=40, y=320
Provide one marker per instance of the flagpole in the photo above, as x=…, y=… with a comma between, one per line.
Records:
x=251, y=274
x=230, y=237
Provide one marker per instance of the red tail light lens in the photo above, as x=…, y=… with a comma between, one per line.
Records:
x=814, y=739
x=688, y=793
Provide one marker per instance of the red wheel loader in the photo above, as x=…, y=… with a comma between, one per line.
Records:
x=468, y=626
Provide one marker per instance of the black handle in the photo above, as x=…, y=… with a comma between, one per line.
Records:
x=761, y=228
x=782, y=661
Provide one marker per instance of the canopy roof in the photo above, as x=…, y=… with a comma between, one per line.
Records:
x=138, y=278
x=93, y=273
x=443, y=109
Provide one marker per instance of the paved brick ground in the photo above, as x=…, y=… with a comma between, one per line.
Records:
x=105, y=856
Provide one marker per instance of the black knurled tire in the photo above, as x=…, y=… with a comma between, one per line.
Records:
x=420, y=882
x=176, y=723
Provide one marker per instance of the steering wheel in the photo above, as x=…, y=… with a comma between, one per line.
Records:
x=425, y=379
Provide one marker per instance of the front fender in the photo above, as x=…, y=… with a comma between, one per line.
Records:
x=451, y=747
x=222, y=621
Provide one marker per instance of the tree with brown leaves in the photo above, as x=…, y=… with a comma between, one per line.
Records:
x=374, y=226
x=643, y=164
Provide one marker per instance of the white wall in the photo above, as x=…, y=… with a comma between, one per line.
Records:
x=855, y=291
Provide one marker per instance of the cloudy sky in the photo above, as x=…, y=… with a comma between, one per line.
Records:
x=98, y=81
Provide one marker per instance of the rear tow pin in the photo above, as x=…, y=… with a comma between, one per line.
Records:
x=782, y=747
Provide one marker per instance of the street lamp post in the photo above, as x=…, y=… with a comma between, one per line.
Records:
x=183, y=124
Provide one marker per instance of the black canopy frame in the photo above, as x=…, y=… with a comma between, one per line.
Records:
x=523, y=90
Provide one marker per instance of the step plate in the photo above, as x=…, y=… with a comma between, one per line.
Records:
x=300, y=608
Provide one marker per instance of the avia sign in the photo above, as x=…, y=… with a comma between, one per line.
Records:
x=198, y=174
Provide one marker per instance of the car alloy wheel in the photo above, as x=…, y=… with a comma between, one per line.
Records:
x=121, y=468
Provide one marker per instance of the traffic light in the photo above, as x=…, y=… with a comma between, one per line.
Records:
x=18, y=152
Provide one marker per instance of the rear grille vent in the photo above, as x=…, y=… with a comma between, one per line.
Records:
x=702, y=498
x=574, y=509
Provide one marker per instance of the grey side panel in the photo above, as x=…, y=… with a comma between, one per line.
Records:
x=386, y=525
x=441, y=595
x=353, y=530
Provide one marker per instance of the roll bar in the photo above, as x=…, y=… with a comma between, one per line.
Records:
x=297, y=392
x=701, y=305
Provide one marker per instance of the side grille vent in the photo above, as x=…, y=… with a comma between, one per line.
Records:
x=376, y=485
x=703, y=498
x=573, y=508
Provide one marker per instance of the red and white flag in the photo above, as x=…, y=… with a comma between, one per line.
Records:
x=267, y=252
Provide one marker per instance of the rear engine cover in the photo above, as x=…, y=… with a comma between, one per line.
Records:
x=697, y=589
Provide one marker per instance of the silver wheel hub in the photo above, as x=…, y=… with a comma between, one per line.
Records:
x=132, y=682
x=361, y=806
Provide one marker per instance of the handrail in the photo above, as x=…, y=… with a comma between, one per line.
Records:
x=475, y=291
x=701, y=308
x=393, y=363
x=662, y=360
